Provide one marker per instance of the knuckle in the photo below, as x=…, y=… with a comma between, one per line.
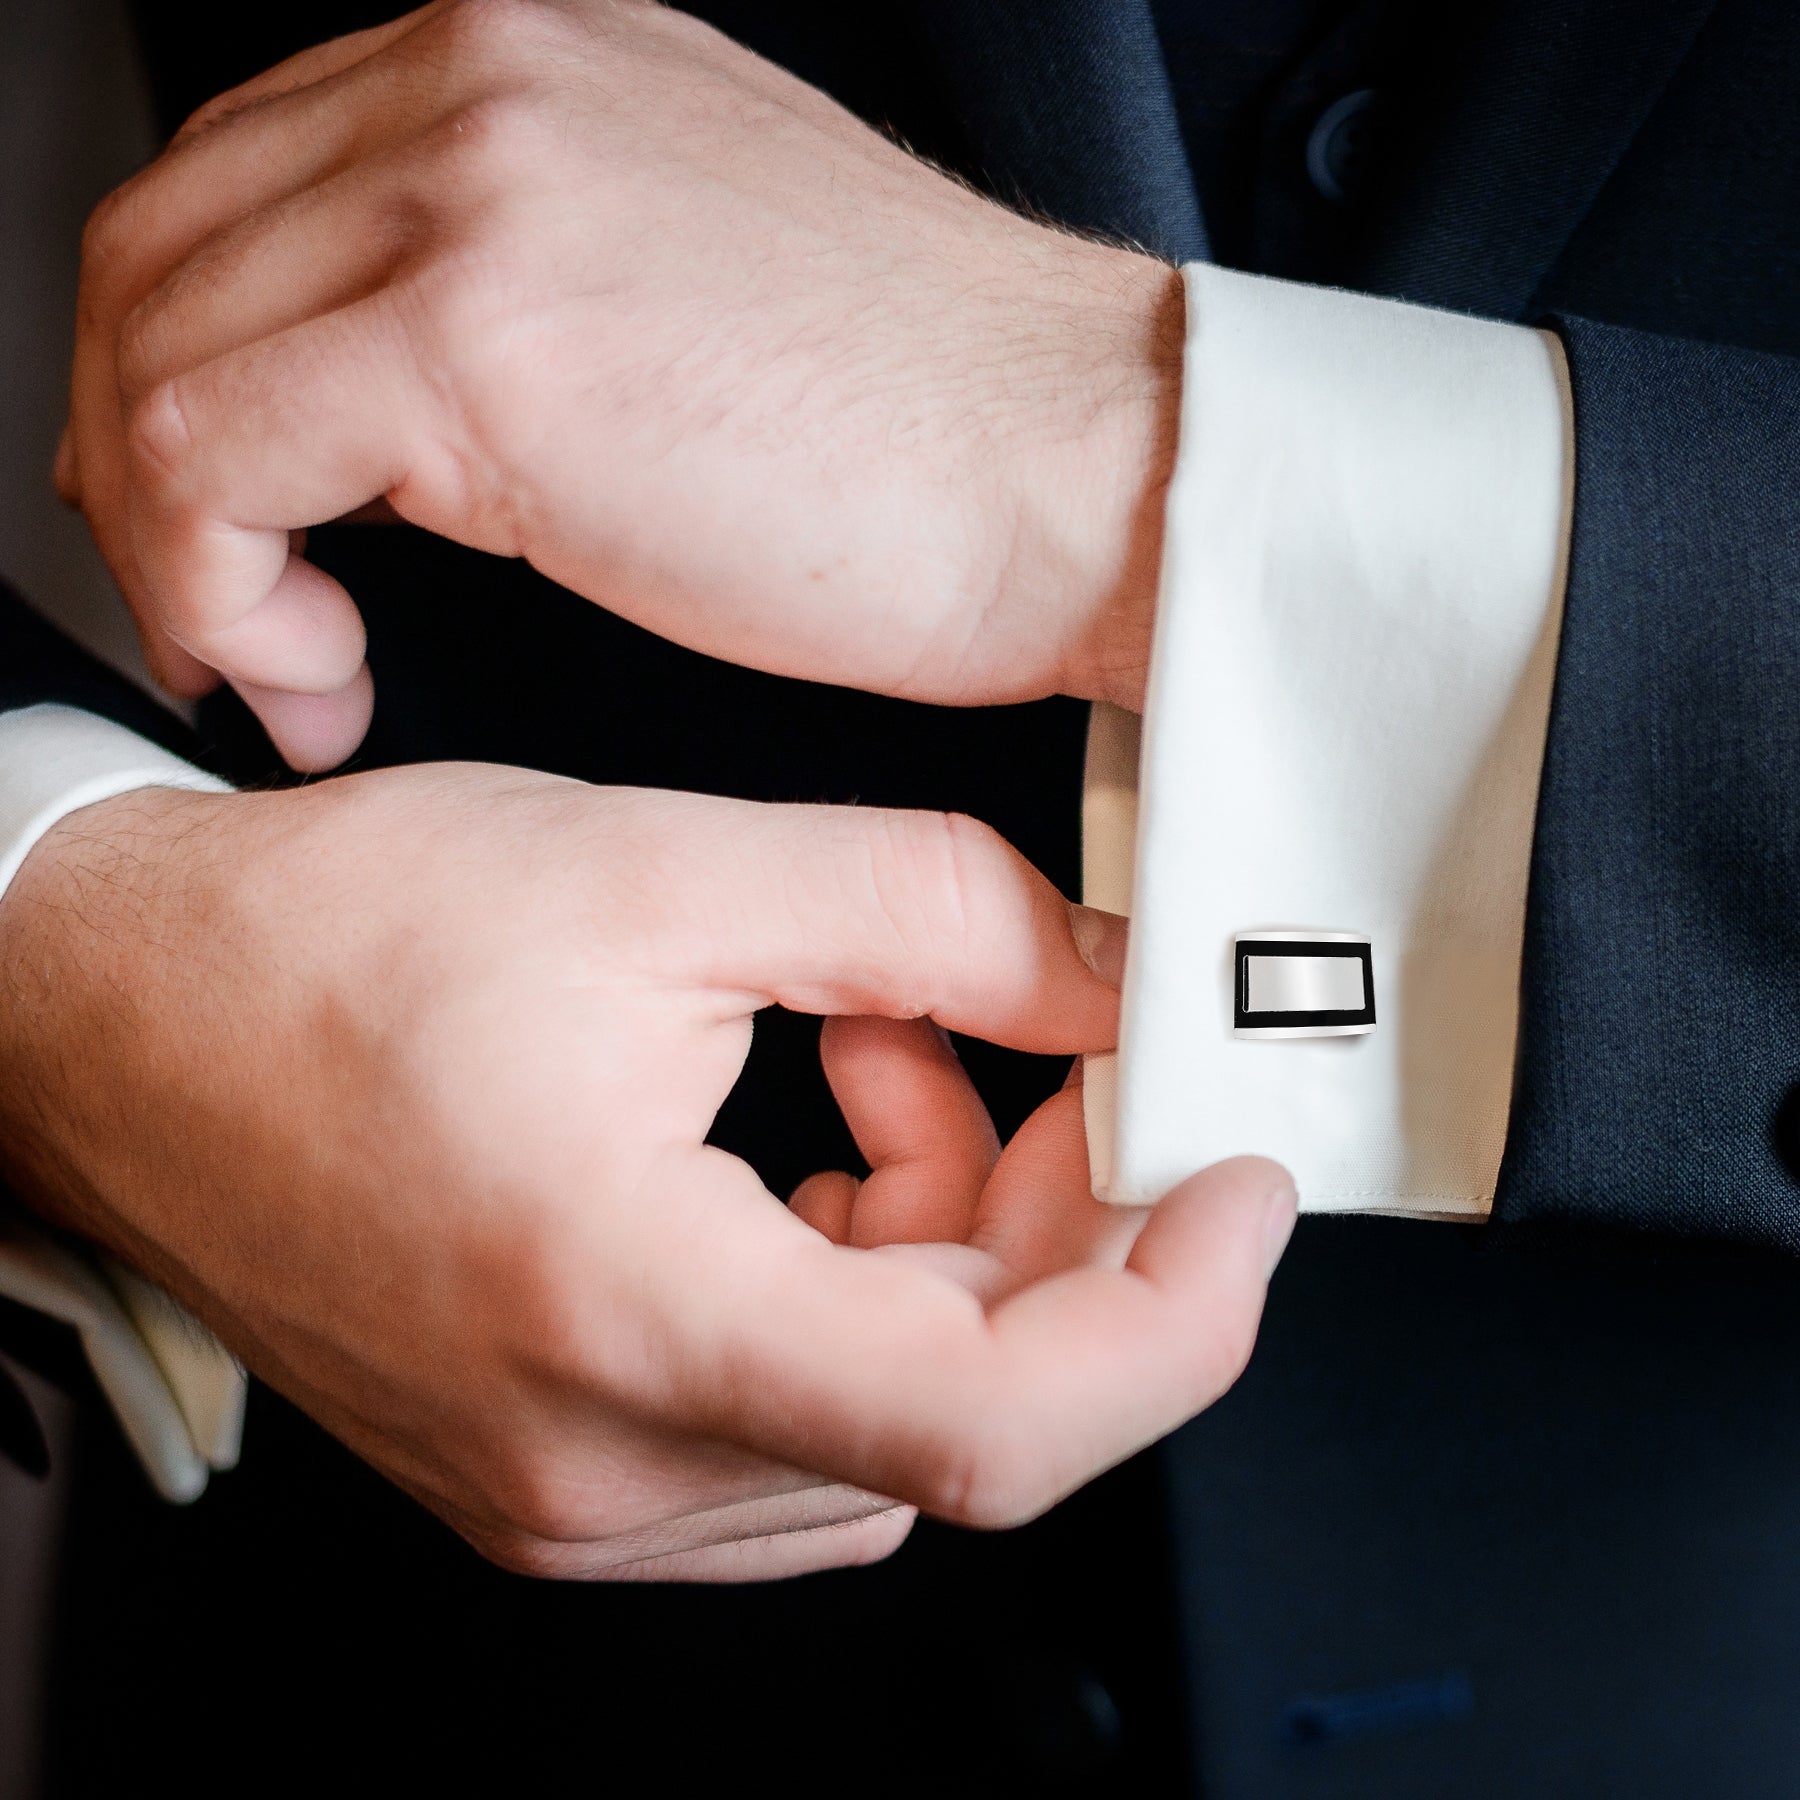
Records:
x=989, y=1481
x=548, y=1512
x=479, y=27
x=979, y=858
x=106, y=230
x=942, y=869
x=535, y=1499
x=489, y=35
x=157, y=440
x=495, y=140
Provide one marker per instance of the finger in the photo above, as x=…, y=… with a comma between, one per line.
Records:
x=825, y=1202
x=843, y=1530
x=750, y=1540
x=305, y=637
x=142, y=231
x=893, y=1378
x=574, y=1489
x=322, y=420
x=307, y=255
x=297, y=659
x=1038, y=1214
x=242, y=152
x=1160, y=1339
x=855, y=1543
x=174, y=669
x=916, y=1117
x=315, y=64
x=314, y=732
x=96, y=485
x=894, y=914
x=302, y=256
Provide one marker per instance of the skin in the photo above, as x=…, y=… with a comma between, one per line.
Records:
x=587, y=283
x=401, y=1081
x=427, y=1151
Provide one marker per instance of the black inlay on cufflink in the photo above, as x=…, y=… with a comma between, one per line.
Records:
x=1243, y=1018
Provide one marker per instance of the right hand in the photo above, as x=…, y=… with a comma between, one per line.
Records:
x=400, y=1082
x=585, y=282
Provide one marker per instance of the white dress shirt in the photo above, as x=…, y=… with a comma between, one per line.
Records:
x=1355, y=640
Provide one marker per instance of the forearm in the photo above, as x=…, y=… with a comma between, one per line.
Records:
x=73, y=804
x=76, y=965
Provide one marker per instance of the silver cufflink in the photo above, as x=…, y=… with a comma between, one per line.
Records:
x=1298, y=984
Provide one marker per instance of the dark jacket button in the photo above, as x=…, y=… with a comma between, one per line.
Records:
x=1338, y=151
x=1784, y=1132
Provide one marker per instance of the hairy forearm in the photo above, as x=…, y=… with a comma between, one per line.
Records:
x=96, y=943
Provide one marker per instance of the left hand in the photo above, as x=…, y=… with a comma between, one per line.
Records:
x=402, y=1082
x=585, y=282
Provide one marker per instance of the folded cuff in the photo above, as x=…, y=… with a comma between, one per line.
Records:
x=1355, y=643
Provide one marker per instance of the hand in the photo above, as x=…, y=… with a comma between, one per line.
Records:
x=587, y=283
x=401, y=1083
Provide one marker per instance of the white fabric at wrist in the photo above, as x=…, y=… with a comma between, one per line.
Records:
x=1355, y=645
x=177, y=1392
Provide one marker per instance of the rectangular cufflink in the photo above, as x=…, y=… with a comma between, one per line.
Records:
x=1293, y=984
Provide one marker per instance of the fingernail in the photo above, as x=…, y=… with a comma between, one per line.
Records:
x=1100, y=938
x=1279, y=1211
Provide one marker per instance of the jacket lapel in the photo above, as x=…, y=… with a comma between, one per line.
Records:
x=1497, y=172
x=1068, y=108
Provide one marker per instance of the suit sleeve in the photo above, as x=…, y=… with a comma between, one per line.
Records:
x=40, y=665
x=1660, y=1018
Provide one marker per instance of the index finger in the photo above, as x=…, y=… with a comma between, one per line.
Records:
x=895, y=914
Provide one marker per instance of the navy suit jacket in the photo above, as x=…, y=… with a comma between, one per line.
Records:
x=1481, y=1509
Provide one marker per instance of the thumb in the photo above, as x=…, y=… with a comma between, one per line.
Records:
x=902, y=914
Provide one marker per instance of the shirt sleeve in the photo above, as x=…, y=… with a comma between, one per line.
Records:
x=1356, y=635
x=177, y=1392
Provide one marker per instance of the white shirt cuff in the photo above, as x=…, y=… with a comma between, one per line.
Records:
x=177, y=1392
x=1356, y=639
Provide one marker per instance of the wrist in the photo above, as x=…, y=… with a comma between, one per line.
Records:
x=1096, y=475
x=90, y=926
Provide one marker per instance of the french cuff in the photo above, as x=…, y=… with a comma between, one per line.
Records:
x=1356, y=633
x=177, y=1391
